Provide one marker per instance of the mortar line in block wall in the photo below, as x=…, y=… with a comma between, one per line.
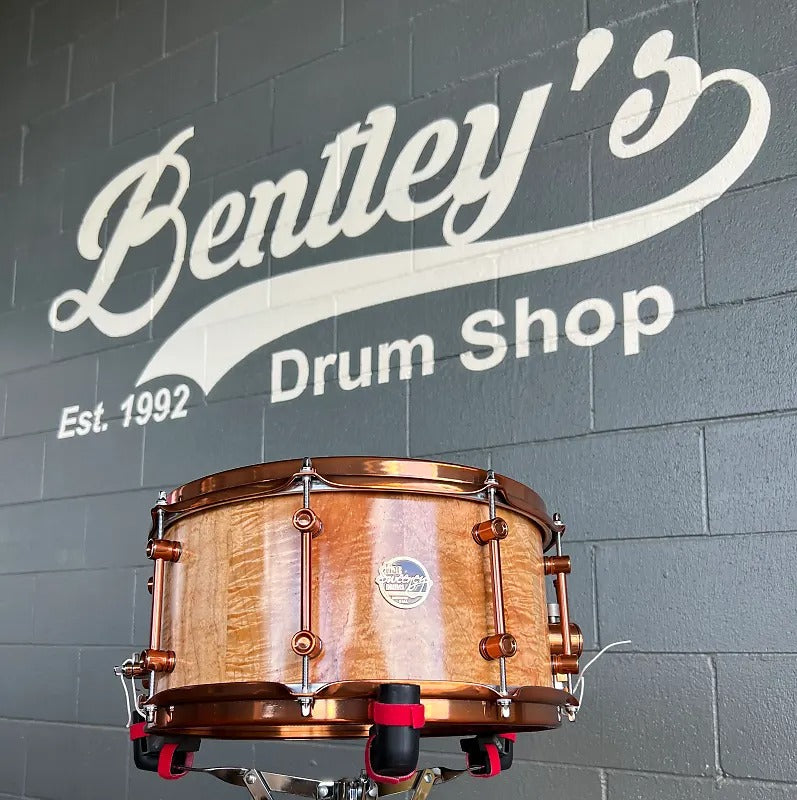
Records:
x=21, y=175
x=701, y=238
x=680, y=776
x=653, y=773
x=110, y=122
x=658, y=773
x=703, y=461
x=79, y=670
x=263, y=433
x=163, y=31
x=69, y=59
x=590, y=176
x=272, y=102
x=132, y=619
x=411, y=46
x=591, y=390
x=43, y=466
x=215, y=64
x=604, y=780
x=647, y=12
x=342, y=39
x=752, y=187
x=715, y=713
x=57, y=724
x=25, y=763
x=594, y=576
x=143, y=453
x=690, y=540
x=31, y=23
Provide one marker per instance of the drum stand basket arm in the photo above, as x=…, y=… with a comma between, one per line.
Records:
x=262, y=785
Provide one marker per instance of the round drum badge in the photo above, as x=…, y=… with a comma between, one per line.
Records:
x=403, y=582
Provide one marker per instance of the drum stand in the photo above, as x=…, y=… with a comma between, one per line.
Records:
x=260, y=785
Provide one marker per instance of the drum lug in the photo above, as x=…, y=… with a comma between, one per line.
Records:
x=500, y=645
x=485, y=532
x=304, y=642
x=158, y=660
x=164, y=549
x=565, y=638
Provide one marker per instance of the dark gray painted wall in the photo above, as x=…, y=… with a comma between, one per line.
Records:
x=675, y=467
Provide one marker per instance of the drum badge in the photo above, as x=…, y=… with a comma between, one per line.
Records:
x=403, y=582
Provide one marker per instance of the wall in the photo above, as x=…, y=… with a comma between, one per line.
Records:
x=674, y=466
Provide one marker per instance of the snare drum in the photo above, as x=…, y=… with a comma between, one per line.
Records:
x=286, y=594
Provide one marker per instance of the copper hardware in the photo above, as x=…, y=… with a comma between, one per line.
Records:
x=266, y=711
x=553, y=565
x=555, y=638
x=306, y=643
x=158, y=660
x=560, y=582
x=164, y=549
x=490, y=529
x=360, y=472
x=498, y=587
x=565, y=664
x=563, y=660
x=150, y=584
x=307, y=592
x=305, y=520
x=498, y=646
x=157, y=604
x=160, y=554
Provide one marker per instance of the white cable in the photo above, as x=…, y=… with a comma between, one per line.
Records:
x=581, y=682
x=127, y=695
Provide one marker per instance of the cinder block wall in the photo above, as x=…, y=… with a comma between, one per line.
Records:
x=674, y=467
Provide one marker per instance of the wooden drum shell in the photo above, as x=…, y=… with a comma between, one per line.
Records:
x=231, y=604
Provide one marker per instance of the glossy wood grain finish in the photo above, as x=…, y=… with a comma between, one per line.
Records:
x=231, y=604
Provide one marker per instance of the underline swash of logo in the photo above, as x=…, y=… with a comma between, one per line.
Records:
x=226, y=331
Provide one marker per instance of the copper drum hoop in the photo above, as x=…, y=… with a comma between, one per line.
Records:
x=249, y=580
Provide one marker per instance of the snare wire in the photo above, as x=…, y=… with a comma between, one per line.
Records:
x=580, y=682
